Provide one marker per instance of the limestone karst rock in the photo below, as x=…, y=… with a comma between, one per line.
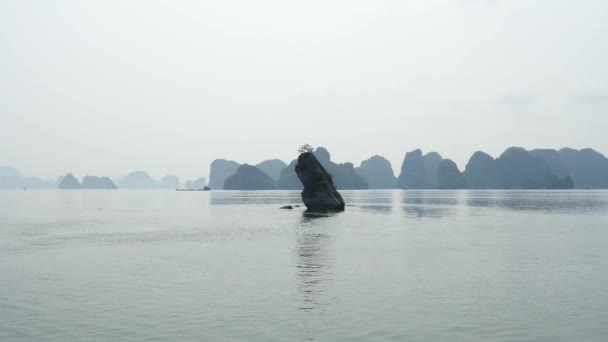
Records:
x=92, y=182
x=249, y=177
x=169, y=182
x=137, y=180
x=319, y=192
x=448, y=176
x=272, y=167
x=221, y=169
x=344, y=175
x=69, y=182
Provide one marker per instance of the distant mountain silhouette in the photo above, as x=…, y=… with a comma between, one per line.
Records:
x=272, y=167
x=10, y=178
x=288, y=180
x=220, y=170
x=449, y=177
x=481, y=172
x=419, y=171
x=378, y=173
x=516, y=168
x=343, y=175
x=198, y=183
x=9, y=171
x=137, y=180
x=69, y=182
x=249, y=177
x=169, y=182
x=92, y=182
x=587, y=167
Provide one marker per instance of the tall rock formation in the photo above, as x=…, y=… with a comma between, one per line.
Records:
x=319, y=192
x=431, y=166
x=137, y=180
x=448, y=176
x=272, y=167
x=419, y=171
x=516, y=168
x=69, y=182
x=249, y=177
x=92, y=182
x=587, y=167
x=220, y=170
x=10, y=178
x=169, y=182
x=481, y=172
x=378, y=173
x=288, y=180
x=344, y=175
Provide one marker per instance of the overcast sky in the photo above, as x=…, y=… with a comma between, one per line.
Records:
x=107, y=87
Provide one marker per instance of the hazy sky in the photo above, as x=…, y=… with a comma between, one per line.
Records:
x=107, y=87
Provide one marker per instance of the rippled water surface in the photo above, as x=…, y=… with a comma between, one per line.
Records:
x=230, y=266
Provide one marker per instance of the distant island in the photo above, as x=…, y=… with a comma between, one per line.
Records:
x=515, y=168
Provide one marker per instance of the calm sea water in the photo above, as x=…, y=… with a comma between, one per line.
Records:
x=230, y=266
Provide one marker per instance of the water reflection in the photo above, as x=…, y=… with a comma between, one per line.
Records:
x=429, y=204
x=375, y=201
x=254, y=197
x=313, y=264
x=548, y=201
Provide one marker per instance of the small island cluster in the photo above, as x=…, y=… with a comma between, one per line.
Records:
x=515, y=168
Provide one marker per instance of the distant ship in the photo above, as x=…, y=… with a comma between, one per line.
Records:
x=203, y=189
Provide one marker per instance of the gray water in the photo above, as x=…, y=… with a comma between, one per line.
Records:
x=230, y=266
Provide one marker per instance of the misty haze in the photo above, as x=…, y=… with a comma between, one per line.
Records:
x=425, y=170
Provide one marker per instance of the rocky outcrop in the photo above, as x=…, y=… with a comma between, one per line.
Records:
x=481, y=172
x=378, y=173
x=344, y=175
x=92, y=182
x=221, y=169
x=272, y=167
x=419, y=171
x=69, y=182
x=319, y=192
x=448, y=176
x=516, y=168
x=169, y=182
x=249, y=177
x=137, y=180
x=198, y=183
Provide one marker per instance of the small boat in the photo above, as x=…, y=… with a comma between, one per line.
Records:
x=203, y=189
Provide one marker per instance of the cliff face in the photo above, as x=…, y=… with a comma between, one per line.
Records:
x=481, y=172
x=344, y=175
x=419, y=171
x=92, y=182
x=69, y=182
x=516, y=168
x=288, y=180
x=587, y=167
x=272, y=167
x=378, y=173
x=319, y=192
x=448, y=176
x=220, y=170
x=249, y=177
